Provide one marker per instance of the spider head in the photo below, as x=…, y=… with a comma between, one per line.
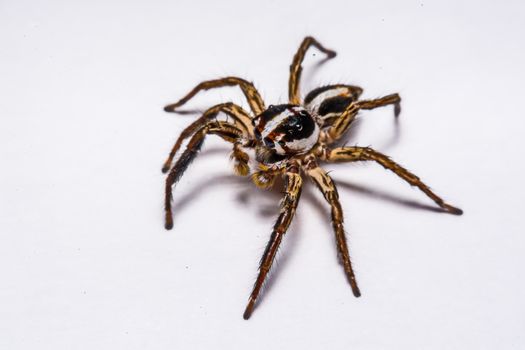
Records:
x=286, y=129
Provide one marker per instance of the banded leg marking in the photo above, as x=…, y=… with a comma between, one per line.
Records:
x=342, y=124
x=350, y=154
x=239, y=115
x=226, y=131
x=295, y=68
x=327, y=187
x=252, y=95
x=288, y=206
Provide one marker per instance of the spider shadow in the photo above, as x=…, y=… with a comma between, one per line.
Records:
x=265, y=202
x=396, y=135
x=248, y=194
x=285, y=253
x=191, y=111
x=312, y=72
x=384, y=196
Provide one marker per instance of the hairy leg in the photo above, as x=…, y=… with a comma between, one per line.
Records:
x=350, y=154
x=392, y=99
x=265, y=176
x=341, y=124
x=239, y=115
x=226, y=131
x=241, y=159
x=327, y=187
x=252, y=95
x=295, y=68
x=288, y=206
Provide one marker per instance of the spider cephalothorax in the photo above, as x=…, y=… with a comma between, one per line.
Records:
x=284, y=130
x=287, y=129
x=289, y=140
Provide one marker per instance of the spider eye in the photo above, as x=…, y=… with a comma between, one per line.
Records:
x=297, y=126
x=295, y=123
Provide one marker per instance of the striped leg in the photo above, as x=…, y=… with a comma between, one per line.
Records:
x=252, y=95
x=347, y=117
x=226, y=131
x=239, y=115
x=392, y=99
x=349, y=154
x=295, y=68
x=288, y=206
x=327, y=187
x=241, y=159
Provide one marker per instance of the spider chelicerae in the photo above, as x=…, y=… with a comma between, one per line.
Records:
x=289, y=141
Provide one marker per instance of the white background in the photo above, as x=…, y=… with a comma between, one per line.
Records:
x=86, y=264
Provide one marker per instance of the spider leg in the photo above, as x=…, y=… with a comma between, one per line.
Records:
x=239, y=115
x=226, y=131
x=349, y=154
x=327, y=187
x=288, y=206
x=341, y=124
x=392, y=99
x=252, y=95
x=295, y=68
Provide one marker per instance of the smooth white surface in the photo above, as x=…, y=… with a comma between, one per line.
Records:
x=86, y=264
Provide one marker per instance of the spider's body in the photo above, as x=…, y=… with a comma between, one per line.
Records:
x=290, y=140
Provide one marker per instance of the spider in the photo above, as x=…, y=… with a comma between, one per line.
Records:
x=289, y=140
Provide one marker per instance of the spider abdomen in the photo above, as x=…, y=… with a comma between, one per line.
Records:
x=329, y=102
x=286, y=129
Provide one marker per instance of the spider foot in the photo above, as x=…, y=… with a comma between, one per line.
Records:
x=171, y=107
x=353, y=284
x=166, y=168
x=249, y=309
x=356, y=292
x=168, y=225
x=330, y=53
x=452, y=210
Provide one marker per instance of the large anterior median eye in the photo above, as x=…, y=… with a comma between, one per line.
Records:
x=286, y=129
x=294, y=123
x=298, y=126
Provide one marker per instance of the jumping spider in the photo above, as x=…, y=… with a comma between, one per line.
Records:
x=289, y=140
